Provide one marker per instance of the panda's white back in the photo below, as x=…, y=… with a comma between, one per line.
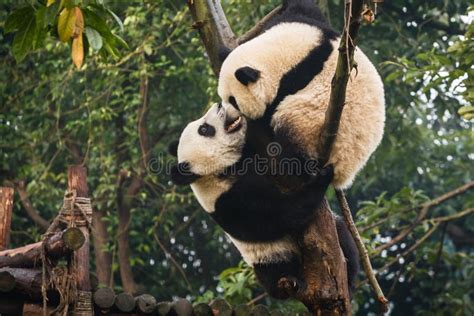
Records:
x=301, y=115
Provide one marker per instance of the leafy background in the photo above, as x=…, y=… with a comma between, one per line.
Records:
x=144, y=74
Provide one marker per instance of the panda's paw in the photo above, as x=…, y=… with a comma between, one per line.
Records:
x=327, y=172
x=323, y=177
x=289, y=286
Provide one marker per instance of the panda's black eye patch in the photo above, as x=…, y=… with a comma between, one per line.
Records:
x=233, y=101
x=206, y=130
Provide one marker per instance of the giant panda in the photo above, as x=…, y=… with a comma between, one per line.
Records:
x=281, y=80
x=263, y=223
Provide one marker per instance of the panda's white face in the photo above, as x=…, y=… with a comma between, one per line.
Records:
x=213, y=142
x=250, y=76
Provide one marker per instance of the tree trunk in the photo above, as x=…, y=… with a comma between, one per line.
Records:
x=6, y=206
x=103, y=259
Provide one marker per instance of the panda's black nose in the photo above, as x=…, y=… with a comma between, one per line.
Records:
x=206, y=130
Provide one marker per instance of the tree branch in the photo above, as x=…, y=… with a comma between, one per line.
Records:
x=364, y=255
x=425, y=207
x=345, y=63
x=210, y=21
x=20, y=186
x=257, y=29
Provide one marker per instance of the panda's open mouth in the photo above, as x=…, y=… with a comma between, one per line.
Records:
x=233, y=126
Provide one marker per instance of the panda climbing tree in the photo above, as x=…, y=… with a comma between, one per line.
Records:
x=327, y=291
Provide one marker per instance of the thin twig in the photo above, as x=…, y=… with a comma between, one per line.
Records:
x=404, y=254
x=257, y=298
x=452, y=217
x=364, y=255
x=425, y=207
x=257, y=29
x=173, y=260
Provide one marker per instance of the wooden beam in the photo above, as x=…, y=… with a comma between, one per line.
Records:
x=6, y=206
x=58, y=245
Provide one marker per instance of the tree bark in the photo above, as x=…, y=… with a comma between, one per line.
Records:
x=30, y=210
x=56, y=246
x=23, y=282
x=103, y=259
x=6, y=206
x=77, y=181
x=210, y=21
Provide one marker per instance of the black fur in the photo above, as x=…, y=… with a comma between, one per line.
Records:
x=224, y=51
x=254, y=209
x=247, y=75
x=300, y=76
x=268, y=274
x=181, y=174
x=350, y=251
x=173, y=148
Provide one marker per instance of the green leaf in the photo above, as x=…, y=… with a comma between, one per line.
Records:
x=121, y=41
x=23, y=40
x=94, y=38
x=17, y=19
x=51, y=13
x=96, y=22
x=41, y=17
x=117, y=19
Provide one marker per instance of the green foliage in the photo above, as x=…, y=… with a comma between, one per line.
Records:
x=38, y=19
x=52, y=116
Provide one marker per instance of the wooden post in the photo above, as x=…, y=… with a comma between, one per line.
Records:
x=77, y=181
x=6, y=205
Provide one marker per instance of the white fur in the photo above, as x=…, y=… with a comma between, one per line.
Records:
x=209, y=156
x=266, y=252
x=276, y=51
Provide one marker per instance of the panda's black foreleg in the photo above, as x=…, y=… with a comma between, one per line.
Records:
x=351, y=253
x=281, y=279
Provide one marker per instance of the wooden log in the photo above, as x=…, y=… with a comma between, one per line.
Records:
x=6, y=206
x=242, y=310
x=104, y=298
x=202, y=309
x=125, y=302
x=56, y=246
x=163, y=308
x=23, y=281
x=77, y=181
x=221, y=307
x=146, y=304
x=182, y=307
x=24, y=285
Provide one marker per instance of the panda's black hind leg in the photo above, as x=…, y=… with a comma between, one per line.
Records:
x=281, y=279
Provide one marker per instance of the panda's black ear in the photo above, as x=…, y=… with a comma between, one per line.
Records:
x=247, y=75
x=224, y=51
x=173, y=148
x=181, y=174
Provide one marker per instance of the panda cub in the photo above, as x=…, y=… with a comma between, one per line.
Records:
x=262, y=222
x=281, y=81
